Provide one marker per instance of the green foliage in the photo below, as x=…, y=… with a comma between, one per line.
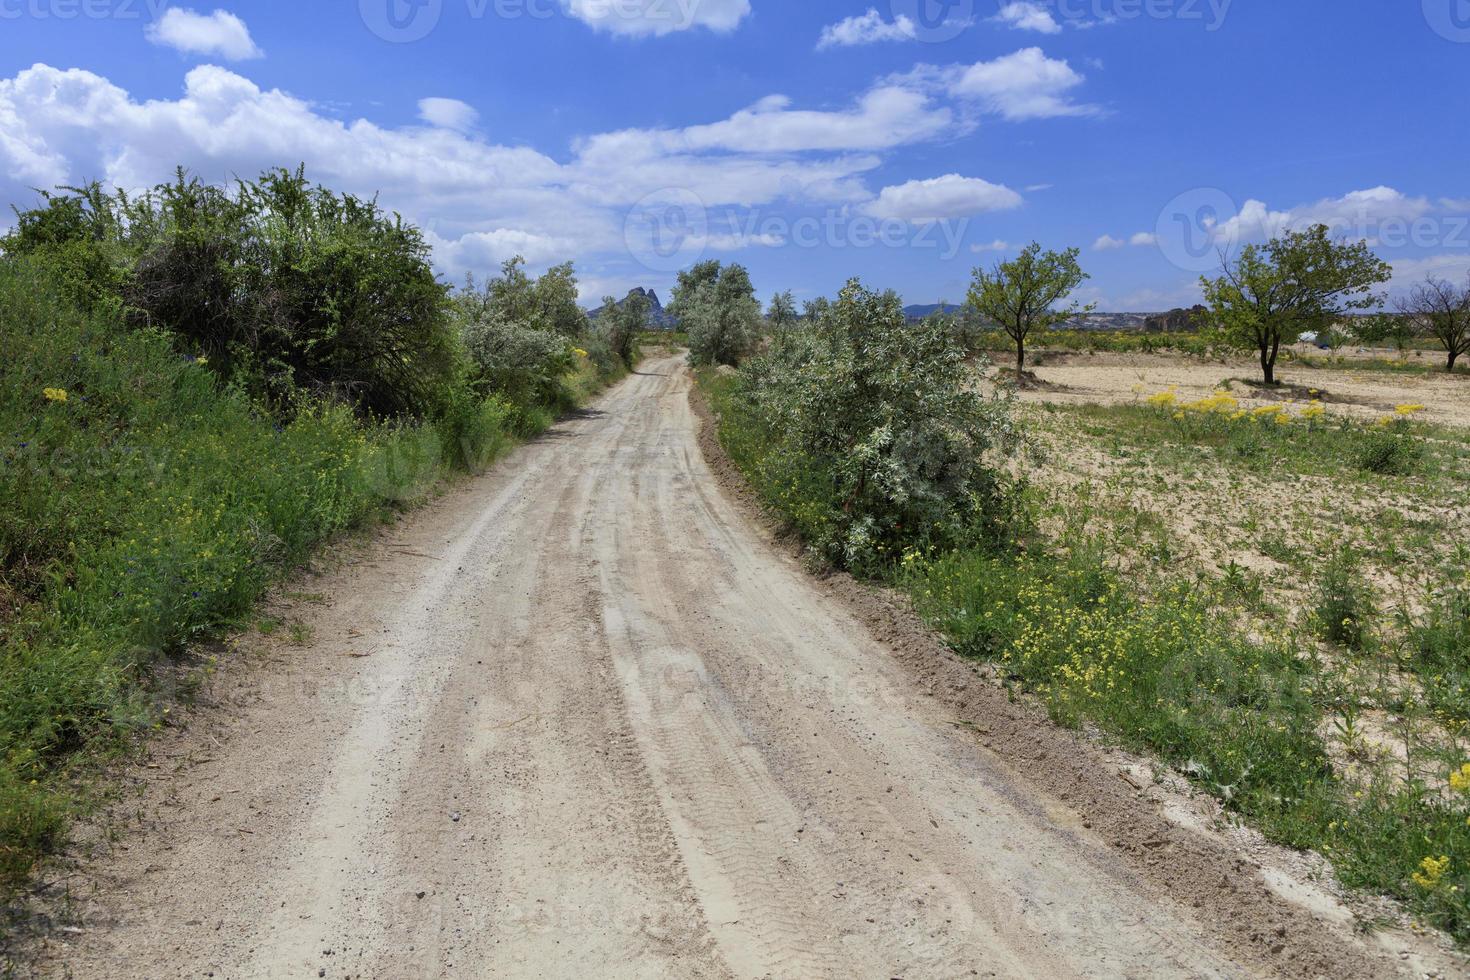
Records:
x=873, y=439
x=1298, y=283
x=717, y=306
x=1437, y=648
x=1342, y=602
x=622, y=323
x=1390, y=450
x=1022, y=296
x=144, y=505
x=1384, y=328
x=291, y=291
x=782, y=312
x=1166, y=674
x=521, y=334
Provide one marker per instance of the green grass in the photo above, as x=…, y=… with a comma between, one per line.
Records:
x=149, y=509
x=1333, y=446
x=1161, y=662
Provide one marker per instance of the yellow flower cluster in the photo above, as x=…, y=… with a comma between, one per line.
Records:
x=580, y=352
x=1431, y=872
x=55, y=394
x=1165, y=399
x=1407, y=410
x=1460, y=779
x=1225, y=404
x=1221, y=401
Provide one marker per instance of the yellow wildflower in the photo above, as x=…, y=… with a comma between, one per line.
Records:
x=580, y=352
x=55, y=394
x=1408, y=409
x=1431, y=871
x=1165, y=399
x=1460, y=779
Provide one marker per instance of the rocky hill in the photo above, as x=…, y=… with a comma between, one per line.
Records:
x=658, y=317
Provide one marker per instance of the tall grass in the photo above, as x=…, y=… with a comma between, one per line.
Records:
x=143, y=506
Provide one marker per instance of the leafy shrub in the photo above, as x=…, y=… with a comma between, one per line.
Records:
x=1342, y=602
x=142, y=506
x=524, y=365
x=621, y=324
x=286, y=289
x=875, y=438
x=1438, y=644
x=717, y=306
x=1390, y=452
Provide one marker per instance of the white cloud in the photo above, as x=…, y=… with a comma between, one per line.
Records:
x=1455, y=203
x=1358, y=215
x=1107, y=243
x=885, y=117
x=999, y=245
x=1023, y=85
x=1454, y=267
x=220, y=33
x=448, y=114
x=1034, y=188
x=950, y=196
x=642, y=18
x=1027, y=16
x=870, y=28
x=1144, y=238
x=480, y=202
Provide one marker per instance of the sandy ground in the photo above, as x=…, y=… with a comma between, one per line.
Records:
x=582, y=718
x=1112, y=379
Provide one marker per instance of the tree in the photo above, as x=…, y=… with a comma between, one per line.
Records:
x=1441, y=310
x=1021, y=296
x=876, y=423
x=556, y=301
x=624, y=322
x=1302, y=282
x=782, y=313
x=716, y=304
x=1385, y=328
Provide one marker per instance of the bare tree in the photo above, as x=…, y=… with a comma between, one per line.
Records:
x=1442, y=310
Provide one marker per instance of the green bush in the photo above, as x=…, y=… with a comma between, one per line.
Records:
x=717, y=307
x=1438, y=649
x=142, y=506
x=288, y=290
x=1342, y=602
x=873, y=438
x=1390, y=451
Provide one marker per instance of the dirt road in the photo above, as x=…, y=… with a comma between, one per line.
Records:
x=579, y=719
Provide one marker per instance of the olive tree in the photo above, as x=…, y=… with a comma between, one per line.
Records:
x=623, y=322
x=1302, y=282
x=877, y=426
x=717, y=306
x=1441, y=310
x=1022, y=296
x=782, y=312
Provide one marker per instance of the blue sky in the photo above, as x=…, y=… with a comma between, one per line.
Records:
x=904, y=142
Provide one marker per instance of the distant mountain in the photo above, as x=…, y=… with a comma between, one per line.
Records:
x=658, y=317
x=920, y=312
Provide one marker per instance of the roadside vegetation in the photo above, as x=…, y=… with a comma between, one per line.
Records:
x=200, y=385
x=1271, y=598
